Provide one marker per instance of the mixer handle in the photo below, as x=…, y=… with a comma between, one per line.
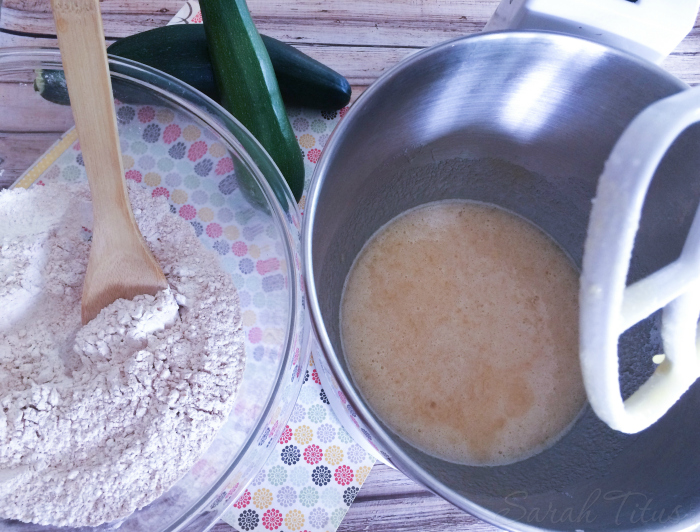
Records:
x=650, y=29
x=608, y=306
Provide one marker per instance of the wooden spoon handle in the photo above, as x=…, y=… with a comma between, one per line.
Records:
x=82, y=44
x=120, y=264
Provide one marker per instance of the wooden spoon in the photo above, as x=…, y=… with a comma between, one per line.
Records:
x=120, y=264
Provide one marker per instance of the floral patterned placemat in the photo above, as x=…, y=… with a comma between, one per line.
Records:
x=316, y=471
x=313, y=475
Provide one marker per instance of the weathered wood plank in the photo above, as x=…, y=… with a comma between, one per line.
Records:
x=359, y=39
x=684, y=66
x=390, y=502
x=410, y=514
x=303, y=9
x=360, y=43
x=361, y=65
x=117, y=6
x=19, y=151
x=385, y=482
x=116, y=24
x=367, y=22
x=23, y=110
x=341, y=33
x=684, y=62
x=8, y=40
x=399, y=33
x=394, y=32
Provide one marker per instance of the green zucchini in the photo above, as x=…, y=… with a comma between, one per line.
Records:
x=51, y=85
x=181, y=51
x=304, y=81
x=248, y=86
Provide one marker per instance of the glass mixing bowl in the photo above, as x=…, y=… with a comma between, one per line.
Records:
x=180, y=144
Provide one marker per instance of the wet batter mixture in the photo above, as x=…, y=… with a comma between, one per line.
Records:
x=460, y=326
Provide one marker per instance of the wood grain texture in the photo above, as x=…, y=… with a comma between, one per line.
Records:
x=390, y=502
x=19, y=152
x=419, y=513
x=23, y=110
x=29, y=125
x=359, y=39
x=396, y=23
x=684, y=62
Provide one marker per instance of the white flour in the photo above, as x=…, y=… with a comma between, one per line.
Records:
x=96, y=422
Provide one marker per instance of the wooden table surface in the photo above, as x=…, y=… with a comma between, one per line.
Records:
x=360, y=39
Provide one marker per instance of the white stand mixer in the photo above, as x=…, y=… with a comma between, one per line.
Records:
x=608, y=306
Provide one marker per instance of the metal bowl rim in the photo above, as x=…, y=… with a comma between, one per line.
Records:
x=402, y=461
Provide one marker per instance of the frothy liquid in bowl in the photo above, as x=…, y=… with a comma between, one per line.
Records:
x=460, y=327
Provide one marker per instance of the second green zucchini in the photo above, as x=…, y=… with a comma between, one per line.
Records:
x=181, y=50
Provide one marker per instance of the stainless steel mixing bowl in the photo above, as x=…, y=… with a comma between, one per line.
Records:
x=525, y=121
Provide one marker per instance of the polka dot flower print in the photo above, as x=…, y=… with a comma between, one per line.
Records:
x=362, y=473
x=303, y=435
x=318, y=517
x=248, y=520
x=290, y=455
x=286, y=496
x=325, y=467
x=349, y=494
x=313, y=454
x=337, y=516
x=343, y=475
x=243, y=500
x=272, y=519
x=301, y=487
x=286, y=435
x=334, y=455
x=277, y=475
x=325, y=433
x=321, y=475
x=308, y=496
x=262, y=498
x=294, y=520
